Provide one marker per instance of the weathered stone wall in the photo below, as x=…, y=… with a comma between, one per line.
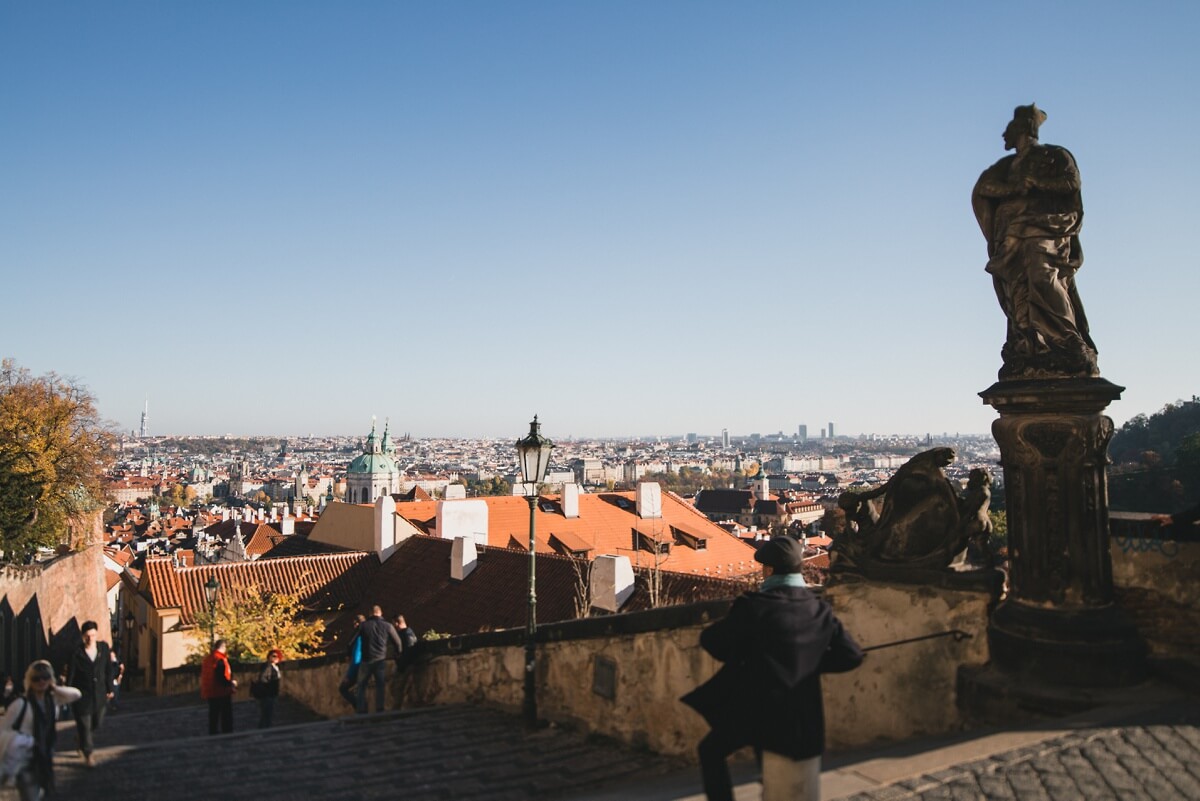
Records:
x=907, y=690
x=898, y=693
x=1156, y=573
x=650, y=659
x=314, y=682
x=64, y=593
x=1149, y=556
x=652, y=670
x=185, y=680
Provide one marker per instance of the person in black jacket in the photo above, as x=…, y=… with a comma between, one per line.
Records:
x=265, y=688
x=91, y=671
x=775, y=643
x=373, y=635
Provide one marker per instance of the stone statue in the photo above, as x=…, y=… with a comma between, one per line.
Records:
x=915, y=520
x=1030, y=211
x=973, y=509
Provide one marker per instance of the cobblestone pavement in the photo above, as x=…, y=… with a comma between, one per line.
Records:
x=145, y=723
x=457, y=752
x=1156, y=761
x=467, y=752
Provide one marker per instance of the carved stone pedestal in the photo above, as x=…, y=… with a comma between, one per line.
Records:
x=1059, y=621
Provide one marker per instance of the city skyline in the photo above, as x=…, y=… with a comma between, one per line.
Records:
x=269, y=218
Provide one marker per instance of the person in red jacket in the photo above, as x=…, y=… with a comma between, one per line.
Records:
x=217, y=686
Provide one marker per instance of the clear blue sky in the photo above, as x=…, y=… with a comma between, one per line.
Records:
x=629, y=217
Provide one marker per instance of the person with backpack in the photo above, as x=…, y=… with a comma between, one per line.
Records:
x=27, y=733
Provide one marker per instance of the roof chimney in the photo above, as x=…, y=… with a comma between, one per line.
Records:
x=649, y=500
x=385, y=526
x=287, y=526
x=463, y=557
x=467, y=518
x=455, y=492
x=612, y=581
x=570, y=500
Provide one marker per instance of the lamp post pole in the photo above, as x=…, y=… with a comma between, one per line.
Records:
x=534, y=453
x=211, y=588
x=529, y=707
x=129, y=622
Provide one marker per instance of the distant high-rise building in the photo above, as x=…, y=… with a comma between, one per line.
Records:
x=724, y=437
x=822, y=433
x=831, y=430
x=142, y=430
x=691, y=437
x=802, y=432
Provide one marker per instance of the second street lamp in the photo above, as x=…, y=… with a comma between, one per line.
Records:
x=534, y=454
x=211, y=588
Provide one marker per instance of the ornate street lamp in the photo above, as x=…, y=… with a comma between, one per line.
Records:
x=534, y=454
x=211, y=588
x=129, y=621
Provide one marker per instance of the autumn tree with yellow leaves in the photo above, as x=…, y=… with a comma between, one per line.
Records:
x=54, y=448
x=252, y=621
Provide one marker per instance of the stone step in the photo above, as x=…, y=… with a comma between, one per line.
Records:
x=453, y=752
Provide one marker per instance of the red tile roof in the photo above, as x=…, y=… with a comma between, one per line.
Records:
x=415, y=581
x=325, y=582
x=606, y=524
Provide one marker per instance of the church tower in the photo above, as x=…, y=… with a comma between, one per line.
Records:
x=373, y=473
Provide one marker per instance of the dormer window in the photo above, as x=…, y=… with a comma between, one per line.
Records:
x=654, y=544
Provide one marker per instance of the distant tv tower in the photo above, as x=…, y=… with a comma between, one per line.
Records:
x=145, y=419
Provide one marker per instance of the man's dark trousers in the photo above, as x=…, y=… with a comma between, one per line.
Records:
x=367, y=671
x=88, y=717
x=220, y=712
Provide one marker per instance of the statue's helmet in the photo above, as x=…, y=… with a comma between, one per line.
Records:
x=1027, y=119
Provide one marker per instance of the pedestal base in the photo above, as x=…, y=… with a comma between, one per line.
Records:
x=1086, y=647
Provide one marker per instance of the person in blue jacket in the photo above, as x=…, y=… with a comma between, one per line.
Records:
x=349, y=683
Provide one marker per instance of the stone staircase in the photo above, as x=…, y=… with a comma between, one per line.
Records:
x=160, y=752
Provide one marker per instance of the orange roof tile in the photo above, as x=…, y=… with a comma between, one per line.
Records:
x=324, y=582
x=606, y=524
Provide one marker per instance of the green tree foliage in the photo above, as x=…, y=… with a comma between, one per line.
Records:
x=1157, y=460
x=691, y=480
x=1162, y=432
x=999, y=537
x=54, y=449
x=495, y=485
x=1188, y=452
x=253, y=621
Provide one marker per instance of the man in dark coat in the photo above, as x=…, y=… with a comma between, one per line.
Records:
x=373, y=635
x=91, y=671
x=774, y=643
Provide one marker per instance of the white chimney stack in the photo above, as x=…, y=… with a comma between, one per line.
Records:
x=455, y=492
x=570, y=500
x=649, y=500
x=288, y=526
x=385, y=526
x=467, y=518
x=463, y=557
x=612, y=581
